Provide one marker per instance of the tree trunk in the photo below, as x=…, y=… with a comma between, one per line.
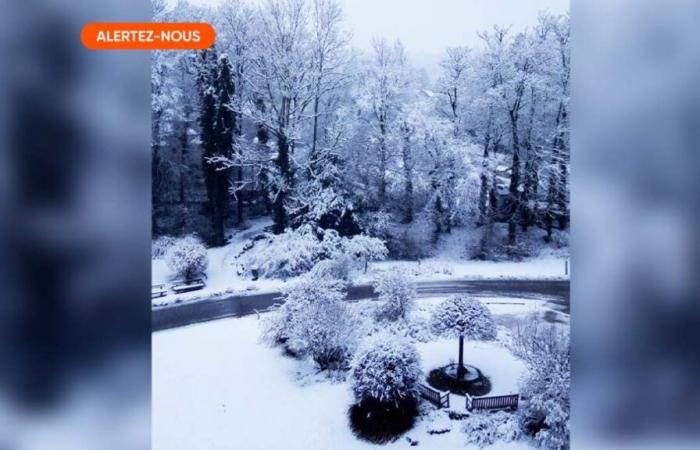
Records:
x=487, y=137
x=155, y=174
x=279, y=212
x=408, y=176
x=314, y=139
x=461, y=370
x=382, y=162
x=514, y=185
x=239, y=201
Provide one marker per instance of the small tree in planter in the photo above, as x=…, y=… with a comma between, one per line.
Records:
x=463, y=317
x=385, y=377
x=398, y=294
x=187, y=257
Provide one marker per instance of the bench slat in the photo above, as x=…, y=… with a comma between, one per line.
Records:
x=496, y=402
x=439, y=399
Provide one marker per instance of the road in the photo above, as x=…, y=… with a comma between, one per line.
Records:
x=177, y=315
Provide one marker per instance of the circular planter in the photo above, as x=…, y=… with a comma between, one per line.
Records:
x=473, y=382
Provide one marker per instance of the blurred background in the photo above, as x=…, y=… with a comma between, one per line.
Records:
x=635, y=141
x=75, y=227
x=75, y=240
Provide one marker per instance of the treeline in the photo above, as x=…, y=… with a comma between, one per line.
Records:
x=283, y=118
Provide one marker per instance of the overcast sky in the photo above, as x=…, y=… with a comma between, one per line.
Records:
x=427, y=27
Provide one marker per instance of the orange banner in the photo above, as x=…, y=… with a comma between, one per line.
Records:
x=147, y=36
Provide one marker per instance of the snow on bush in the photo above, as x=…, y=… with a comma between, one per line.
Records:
x=295, y=252
x=315, y=321
x=363, y=249
x=485, y=429
x=161, y=245
x=338, y=268
x=545, y=349
x=462, y=316
x=291, y=253
x=187, y=257
x=397, y=294
x=386, y=369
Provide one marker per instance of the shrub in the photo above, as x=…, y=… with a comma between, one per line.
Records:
x=397, y=294
x=386, y=369
x=545, y=350
x=161, y=245
x=484, y=429
x=315, y=321
x=381, y=422
x=296, y=252
x=277, y=325
x=385, y=376
x=338, y=268
x=291, y=253
x=363, y=249
x=187, y=257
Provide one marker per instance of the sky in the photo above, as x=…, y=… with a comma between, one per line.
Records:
x=427, y=27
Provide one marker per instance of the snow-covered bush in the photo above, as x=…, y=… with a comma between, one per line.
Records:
x=387, y=369
x=291, y=253
x=338, y=268
x=363, y=249
x=545, y=349
x=187, y=257
x=161, y=245
x=385, y=377
x=463, y=317
x=315, y=321
x=327, y=332
x=485, y=429
x=397, y=294
x=277, y=325
x=296, y=252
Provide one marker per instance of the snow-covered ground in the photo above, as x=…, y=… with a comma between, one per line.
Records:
x=222, y=278
x=216, y=386
x=448, y=264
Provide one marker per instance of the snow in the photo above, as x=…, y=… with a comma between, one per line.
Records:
x=448, y=264
x=216, y=386
x=221, y=278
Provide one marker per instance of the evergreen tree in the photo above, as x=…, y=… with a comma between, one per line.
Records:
x=216, y=122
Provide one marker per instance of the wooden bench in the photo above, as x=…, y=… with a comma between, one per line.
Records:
x=497, y=402
x=181, y=286
x=158, y=290
x=439, y=399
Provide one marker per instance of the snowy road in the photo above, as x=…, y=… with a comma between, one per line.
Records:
x=555, y=292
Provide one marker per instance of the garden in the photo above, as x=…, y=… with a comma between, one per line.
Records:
x=319, y=369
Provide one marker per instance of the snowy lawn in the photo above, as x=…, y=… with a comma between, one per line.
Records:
x=215, y=386
x=443, y=268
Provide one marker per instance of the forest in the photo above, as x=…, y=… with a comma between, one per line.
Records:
x=284, y=118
